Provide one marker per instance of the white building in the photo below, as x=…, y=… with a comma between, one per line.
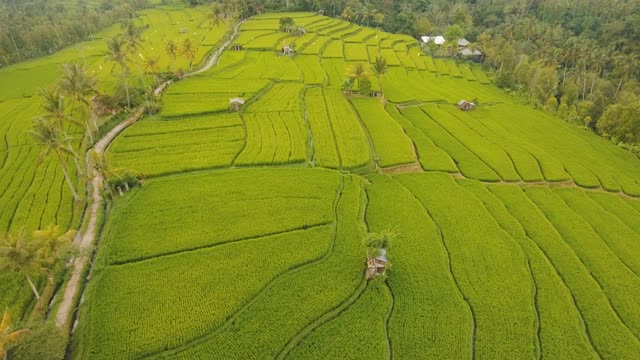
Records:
x=438, y=39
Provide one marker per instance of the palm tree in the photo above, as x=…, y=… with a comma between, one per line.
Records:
x=380, y=68
x=189, y=51
x=626, y=67
x=151, y=66
x=7, y=336
x=358, y=71
x=171, y=48
x=378, y=19
x=347, y=13
x=216, y=16
x=80, y=87
x=132, y=35
x=55, y=106
x=118, y=54
x=53, y=140
x=56, y=111
x=101, y=168
x=54, y=244
x=22, y=255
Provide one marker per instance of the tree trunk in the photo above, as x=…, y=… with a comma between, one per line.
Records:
x=16, y=47
x=75, y=160
x=93, y=116
x=618, y=88
x=126, y=88
x=33, y=288
x=66, y=177
x=564, y=74
x=379, y=86
x=89, y=132
x=584, y=84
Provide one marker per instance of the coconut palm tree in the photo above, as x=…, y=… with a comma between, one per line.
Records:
x=189, y=51
x=626, y=67
x=132, y=35
x=55, y=106
x=216, y=16
x=379, y=69
x=55, y=244
x=101, y=168
x=358, y=71
x=7, y=335
x=151, y=64
x=80, y=87
x=171, y=48
x=53, y=140
x=56, y=111
x=117, y=54
x=21, y=254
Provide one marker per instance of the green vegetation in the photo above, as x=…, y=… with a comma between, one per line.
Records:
x=254, y=188
x=391, y=145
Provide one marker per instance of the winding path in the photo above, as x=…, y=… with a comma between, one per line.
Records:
x=84, y=241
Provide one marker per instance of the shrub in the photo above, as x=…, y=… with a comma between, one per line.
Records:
x=46, y=342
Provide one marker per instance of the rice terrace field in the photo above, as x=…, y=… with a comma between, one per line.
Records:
x=510, y=234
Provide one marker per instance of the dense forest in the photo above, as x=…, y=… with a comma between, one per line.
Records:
x=578, y=59
x=31, y=28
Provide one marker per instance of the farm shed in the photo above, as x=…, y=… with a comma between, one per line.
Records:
x=287, y=50
x=377, y=265
x=235, y=104
x=465, y=105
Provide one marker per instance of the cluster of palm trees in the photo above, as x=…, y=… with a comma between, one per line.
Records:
x=35, y=254
x=119, y=49
x=69, y=103
x=186, y=48
x=363, y=14
x=359, y=73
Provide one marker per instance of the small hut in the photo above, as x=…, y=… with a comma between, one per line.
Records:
x=235, y=104
x=287, y=50
x=377, y=265
x=465, y=105
x=237, y=47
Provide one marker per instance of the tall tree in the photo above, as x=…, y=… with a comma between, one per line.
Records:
x=189, y=51
x=55, y=244
x=171, y=49
x=380, y=69
x=151, y=64
x=53, y=140
x=80, y=87
x=55, y=106
x=358, y=71
x=626, y=67
x=117, y=54
x=216, y=15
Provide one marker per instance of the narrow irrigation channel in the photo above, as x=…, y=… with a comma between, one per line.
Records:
x=84, y=242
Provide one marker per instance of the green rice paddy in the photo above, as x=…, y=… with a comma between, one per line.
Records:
x=515, y=235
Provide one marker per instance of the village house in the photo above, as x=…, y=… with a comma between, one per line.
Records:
x=438, y=40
